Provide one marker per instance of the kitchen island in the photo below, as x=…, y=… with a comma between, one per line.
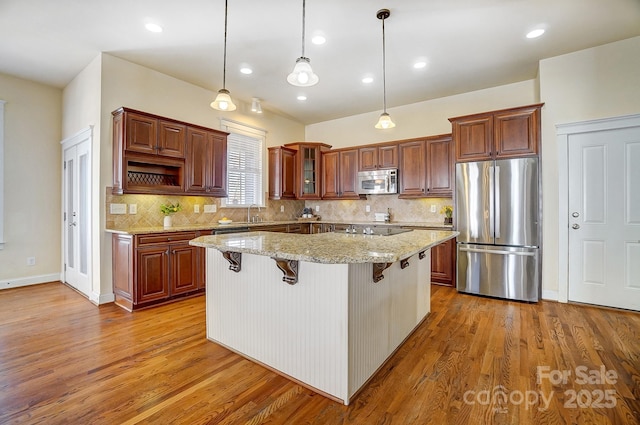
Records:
x=326, y=310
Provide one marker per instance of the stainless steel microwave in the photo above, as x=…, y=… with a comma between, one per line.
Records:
x=377, y=182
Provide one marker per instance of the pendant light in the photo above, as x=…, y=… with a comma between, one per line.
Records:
x=384, y=121
x=223, y=100
x=302, y=75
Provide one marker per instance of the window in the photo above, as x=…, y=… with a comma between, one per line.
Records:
x=2, y=102
x=245, y=158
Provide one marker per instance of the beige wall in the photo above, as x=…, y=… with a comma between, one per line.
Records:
x=594, y=83
x=420, y=119
x=32, y=182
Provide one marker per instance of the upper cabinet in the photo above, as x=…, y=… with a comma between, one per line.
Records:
x=282, y=173
x=308, y=160
x=153, y=154
x=340, y=174
x=376, y=157
x=505, y=133
x=426, y=167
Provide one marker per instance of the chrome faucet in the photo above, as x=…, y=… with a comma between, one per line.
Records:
x=249, y=212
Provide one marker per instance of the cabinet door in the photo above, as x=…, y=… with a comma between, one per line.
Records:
x=368, y=158
x=348, y=174
x=309, y=167
x=443, y=263
x=439, y=167
x=141, y=133
x=412, y=169
x=184, y=268
x=152, y=273
x=388, y=156
x=217, y=166
x=517, y=132
x=330, y=175
x=172, y=139
x=282, y=173
x=473, y=138
x=199, y=150
x=122, y=252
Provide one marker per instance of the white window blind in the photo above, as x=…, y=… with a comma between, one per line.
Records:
x=245, y=157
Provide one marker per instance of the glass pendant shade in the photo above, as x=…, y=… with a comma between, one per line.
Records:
x=385, y=122
x=302, y=75
x=223, y=101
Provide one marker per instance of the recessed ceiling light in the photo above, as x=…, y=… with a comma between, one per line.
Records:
x=246, y=70
x=420, y=65
x=535, y=33
x=318, y=39
x=150, y=26
x=302, y=97
x=367, y=80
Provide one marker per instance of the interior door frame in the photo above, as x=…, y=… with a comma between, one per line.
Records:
x=563, y=133
x=82, y=136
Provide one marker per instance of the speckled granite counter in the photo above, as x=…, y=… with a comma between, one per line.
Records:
x=328, y=248
x=211, y=226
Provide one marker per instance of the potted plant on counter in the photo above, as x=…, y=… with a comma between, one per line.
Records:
x=167, y=210
x=447, y=210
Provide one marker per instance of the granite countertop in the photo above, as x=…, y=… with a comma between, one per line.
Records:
x=328, y=248
x=211, y=226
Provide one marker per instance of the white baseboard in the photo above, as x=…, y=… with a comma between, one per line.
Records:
x=30, y=280
x=550, y=295
x=102, y=298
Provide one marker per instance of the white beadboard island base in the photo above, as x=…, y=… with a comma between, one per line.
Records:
x=331, y=331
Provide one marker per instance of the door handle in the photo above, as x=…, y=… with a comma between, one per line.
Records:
x=575, y=215
x=575, y=226
x=73, y=223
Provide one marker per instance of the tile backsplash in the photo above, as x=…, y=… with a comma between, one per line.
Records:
x=148, y=210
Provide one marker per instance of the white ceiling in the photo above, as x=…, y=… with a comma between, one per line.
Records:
x=468, y=44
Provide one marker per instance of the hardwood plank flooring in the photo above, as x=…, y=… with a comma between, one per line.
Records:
x=473, y=361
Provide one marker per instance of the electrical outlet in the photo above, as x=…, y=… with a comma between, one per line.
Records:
x=317, y=208
x=196, y=208
x=433, y=208
x=31, y=261
x=367, y=208
x=210, y=208
x=118, y=208
x=281, y=208
x=133, y=208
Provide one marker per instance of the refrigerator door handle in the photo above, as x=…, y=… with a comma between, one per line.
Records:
x=491, y=203
x=496, y=251
x=497, y=206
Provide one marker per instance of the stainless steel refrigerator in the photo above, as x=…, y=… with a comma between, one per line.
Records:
x=498, y=217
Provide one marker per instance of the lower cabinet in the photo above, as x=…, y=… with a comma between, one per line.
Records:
x=156, y=268
x=443, y=263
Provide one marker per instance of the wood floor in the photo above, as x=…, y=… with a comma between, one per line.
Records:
x=473, y=361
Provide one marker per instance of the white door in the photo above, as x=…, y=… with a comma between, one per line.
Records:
x=604, y=218
x=77, y=175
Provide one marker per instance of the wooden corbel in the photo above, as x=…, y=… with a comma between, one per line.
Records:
x=404, y=263
x=378, y=268
x=234, y=259
x=422, y=254
x=289, y=268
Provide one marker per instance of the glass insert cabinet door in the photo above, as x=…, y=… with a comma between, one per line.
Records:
x=309, y=167
x=308, y=159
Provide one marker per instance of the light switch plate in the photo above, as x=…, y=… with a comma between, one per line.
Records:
x=281, y=208
x=317, y=208
x=133, y=208
x=118, y=208
x=196, y=208
x=210, y=208
x=433, y=208
x=367, y=208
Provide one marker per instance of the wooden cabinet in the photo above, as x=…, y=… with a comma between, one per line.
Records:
x=505, y=133
x=152, y=154
x=282, y=173
x=443, y=263
x=340, y=174
x=412, y=169
x=308, y=168
x=439, y=166
x=206, y=162
x=376, y=157
x=156, y=268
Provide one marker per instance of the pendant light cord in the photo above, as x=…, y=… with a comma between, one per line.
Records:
x=224, y=60
x=303, y=24
x=384, y=70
